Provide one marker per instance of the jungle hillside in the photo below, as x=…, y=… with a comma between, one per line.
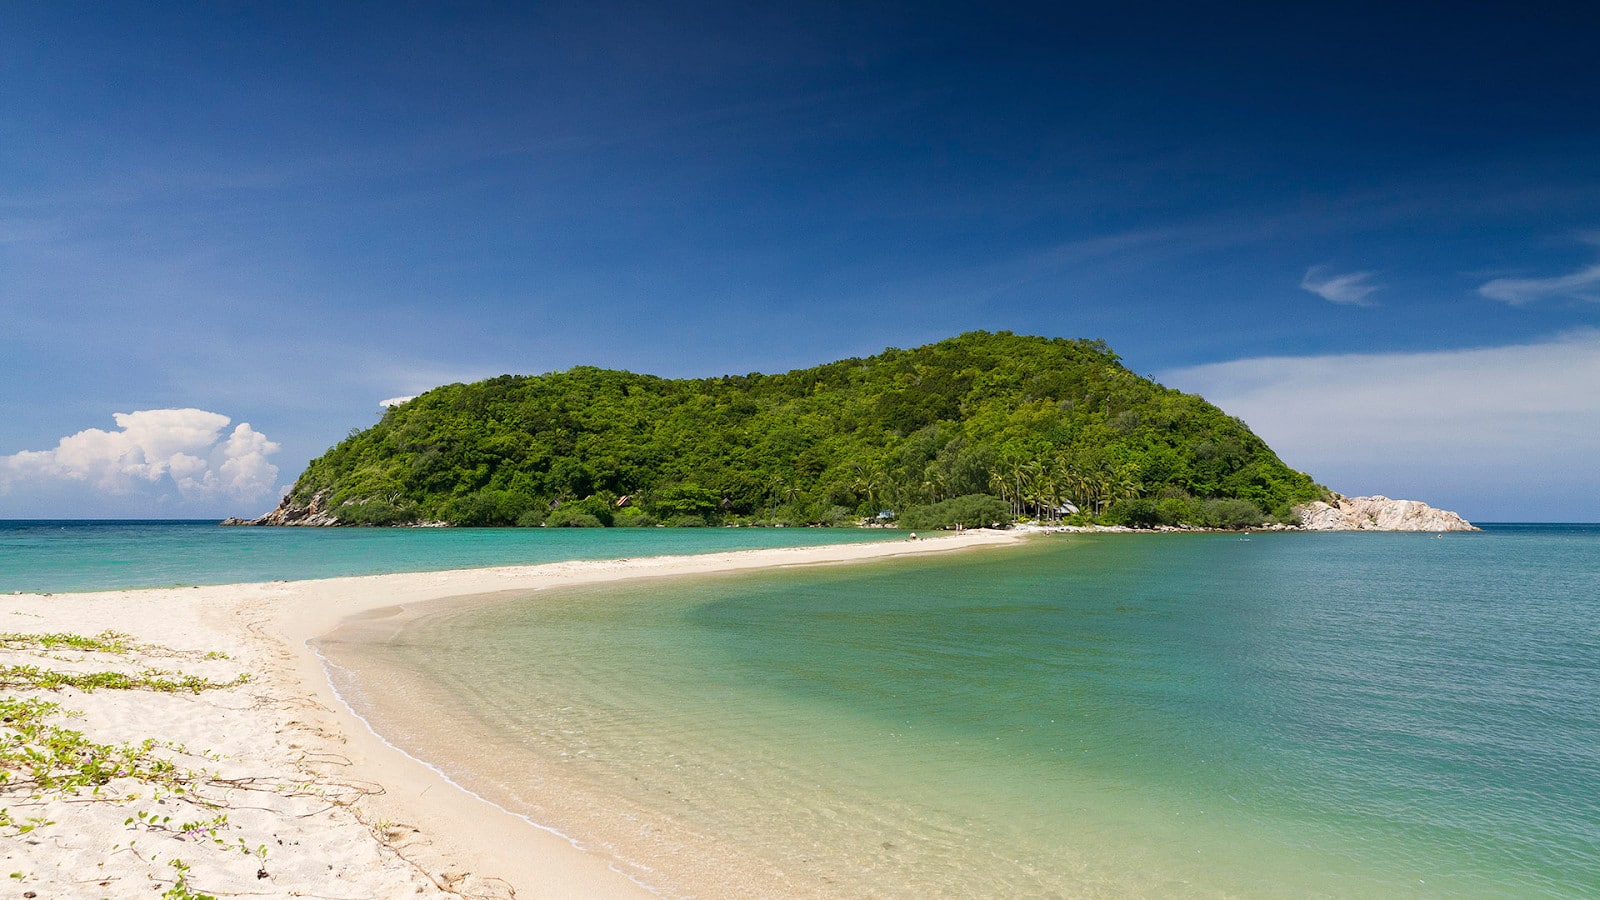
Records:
x=977, y=429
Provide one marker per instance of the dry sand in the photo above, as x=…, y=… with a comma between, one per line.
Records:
x=339, y=812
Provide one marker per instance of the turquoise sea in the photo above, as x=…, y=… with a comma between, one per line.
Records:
x=83, y=555
x=1296, y=715
x=1185, y=715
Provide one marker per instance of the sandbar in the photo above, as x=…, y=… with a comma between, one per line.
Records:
x=287, y=791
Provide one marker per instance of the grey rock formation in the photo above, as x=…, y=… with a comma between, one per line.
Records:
x=1378, y=514
x=312, y=515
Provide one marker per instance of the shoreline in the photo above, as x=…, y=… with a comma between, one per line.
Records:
x=381, y=821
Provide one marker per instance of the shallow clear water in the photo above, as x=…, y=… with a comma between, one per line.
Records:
x=77, y=555
x=1157, y=715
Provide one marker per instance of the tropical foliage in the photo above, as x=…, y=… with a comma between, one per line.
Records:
x=1044, y=426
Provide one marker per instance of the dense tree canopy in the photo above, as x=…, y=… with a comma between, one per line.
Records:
x=1044, y=425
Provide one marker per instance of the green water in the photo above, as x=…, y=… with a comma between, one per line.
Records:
x=1159, y=715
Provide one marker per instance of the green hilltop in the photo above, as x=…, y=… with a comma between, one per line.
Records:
x=976, y=428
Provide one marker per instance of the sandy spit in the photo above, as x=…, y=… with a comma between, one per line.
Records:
x=285, y=793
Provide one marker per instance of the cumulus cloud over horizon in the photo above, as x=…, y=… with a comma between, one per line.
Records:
x=1514, y=426
x=1351, y=289
x=190, y=449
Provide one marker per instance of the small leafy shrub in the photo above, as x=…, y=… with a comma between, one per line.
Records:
x=1139, y=513
x=633, y=518
x=970, y=511
x=834, y=517
x=686, y=499
x=1148, y=513
x=488, y=508
x=1232, y=514
x=1180, y=511
x=376, y=513
x=598, y=507
x=566, y=517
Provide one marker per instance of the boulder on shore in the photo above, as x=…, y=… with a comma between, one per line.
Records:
x=1378, y=514
x=312, y=515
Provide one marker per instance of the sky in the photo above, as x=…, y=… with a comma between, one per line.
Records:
x=229, y=231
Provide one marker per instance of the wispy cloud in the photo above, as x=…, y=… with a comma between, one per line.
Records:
x=1583, y=284
x=1520, y=422
x=1350, y=289
x=184, y=449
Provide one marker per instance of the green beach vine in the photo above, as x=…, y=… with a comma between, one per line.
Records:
x=45, y=762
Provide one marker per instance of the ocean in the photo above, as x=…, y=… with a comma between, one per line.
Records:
x=1184, y=715
x=83, y=555
x=1154, y=715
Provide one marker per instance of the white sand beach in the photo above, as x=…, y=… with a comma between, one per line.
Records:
x=276, y=788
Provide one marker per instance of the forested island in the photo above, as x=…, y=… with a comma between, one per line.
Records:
x=977, y=429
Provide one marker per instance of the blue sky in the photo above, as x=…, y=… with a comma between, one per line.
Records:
x=1373, y=232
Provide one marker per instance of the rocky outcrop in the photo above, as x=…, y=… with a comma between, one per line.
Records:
x=1378, y=514
x=311, y=515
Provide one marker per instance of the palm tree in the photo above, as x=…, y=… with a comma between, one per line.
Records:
x=1103, y=496
x=1033, y=483
x=1092, y=491
x=774, y=487
x=1127, y=482
x=1065, y=479
x=1050, y=489
x=1015, y=470
x=868, y=482
x=997, y=480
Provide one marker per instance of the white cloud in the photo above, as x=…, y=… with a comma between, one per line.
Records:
x=184, y=447
x=1351, y=289
x=396, y=401
x=244, y=469
x=1583, y=284
x=1511, y=429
